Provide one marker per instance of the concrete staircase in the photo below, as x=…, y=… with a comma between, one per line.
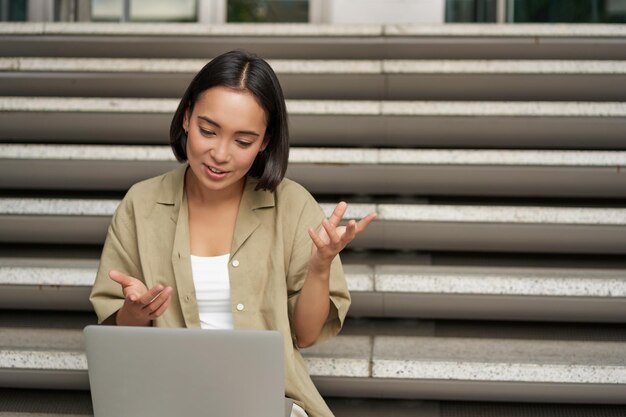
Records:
x=494, y=280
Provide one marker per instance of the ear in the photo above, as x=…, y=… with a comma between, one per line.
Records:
x=266, y=141
x=186, y=120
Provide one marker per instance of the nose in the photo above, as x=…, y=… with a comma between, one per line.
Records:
x=219, y=151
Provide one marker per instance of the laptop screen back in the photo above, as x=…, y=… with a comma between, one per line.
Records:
x=163, y=372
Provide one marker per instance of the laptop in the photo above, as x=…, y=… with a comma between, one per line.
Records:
x=165, y=372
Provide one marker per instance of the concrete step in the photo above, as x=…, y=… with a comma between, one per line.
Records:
x=60, y=403
x=50, y=284
x=469, y=368
x=381, y=290
x=364, y=171
x=352, y=407
x=488, y=293
x=355, y=326
x=573, y=125
x=566, y=80
x=352, y=255
x=478, y=329
x=473, y=41
x=381, y=366
x=533, y=229
x=45, y=403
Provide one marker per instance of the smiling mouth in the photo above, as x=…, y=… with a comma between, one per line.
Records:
x=215, y=170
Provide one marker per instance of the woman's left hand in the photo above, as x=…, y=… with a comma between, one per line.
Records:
x=313, y=305
x=332, y=238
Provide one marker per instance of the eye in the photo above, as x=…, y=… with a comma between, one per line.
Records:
x=207, y=132
x=243, y=143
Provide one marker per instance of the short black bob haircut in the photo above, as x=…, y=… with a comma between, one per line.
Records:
x=242, y=71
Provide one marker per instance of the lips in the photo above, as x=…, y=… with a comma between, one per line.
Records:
x=215, y=170
x=214, y=173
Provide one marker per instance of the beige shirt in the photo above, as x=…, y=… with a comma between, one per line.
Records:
x=149, y=239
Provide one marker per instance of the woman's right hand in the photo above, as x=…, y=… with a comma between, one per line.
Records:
x=141, y=305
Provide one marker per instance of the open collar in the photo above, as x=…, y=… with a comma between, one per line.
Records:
x=171, y=190
x=247, y=218
x=171, y=193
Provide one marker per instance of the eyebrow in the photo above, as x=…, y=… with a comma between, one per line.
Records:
x=214, y=123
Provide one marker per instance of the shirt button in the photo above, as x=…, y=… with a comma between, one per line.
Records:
x=240, y=307
x=235, y=263
x=187, y=298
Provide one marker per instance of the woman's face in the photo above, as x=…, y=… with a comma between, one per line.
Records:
x=225, y=132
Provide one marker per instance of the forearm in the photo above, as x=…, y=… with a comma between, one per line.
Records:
x=313, y=305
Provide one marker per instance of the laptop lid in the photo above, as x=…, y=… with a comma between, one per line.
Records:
x=164, y=372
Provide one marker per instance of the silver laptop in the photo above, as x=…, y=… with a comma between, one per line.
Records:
x=165, y=372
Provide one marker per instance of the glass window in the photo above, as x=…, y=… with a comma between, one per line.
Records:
x=268, y=11
x=145, y=10
x=538, y=11
x=471, y=11
x=13, y=10
x=569, y=11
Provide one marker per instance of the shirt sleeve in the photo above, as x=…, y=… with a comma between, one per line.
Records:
x=312, y=216
x=120, y=253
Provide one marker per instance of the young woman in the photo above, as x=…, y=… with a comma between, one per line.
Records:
x=224, y=241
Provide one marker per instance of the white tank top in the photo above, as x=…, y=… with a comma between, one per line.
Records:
x=210, y=277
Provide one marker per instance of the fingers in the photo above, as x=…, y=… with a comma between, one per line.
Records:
x=153, y=303
x=339, y=236
x=365, y=221
x=353, y=228
x=351, y=231
x=335, y=239
x=161, y=309
x=317, y=240
x=140, y=296
x=331, y=231
x=161, y=302
x=151, y=295
x=338, y=213
x=121, y=278
x=141, y=305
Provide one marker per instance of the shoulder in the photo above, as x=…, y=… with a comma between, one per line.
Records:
x=295, y=201
x=145, y=188
x=165, y=188
x=289, y=191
